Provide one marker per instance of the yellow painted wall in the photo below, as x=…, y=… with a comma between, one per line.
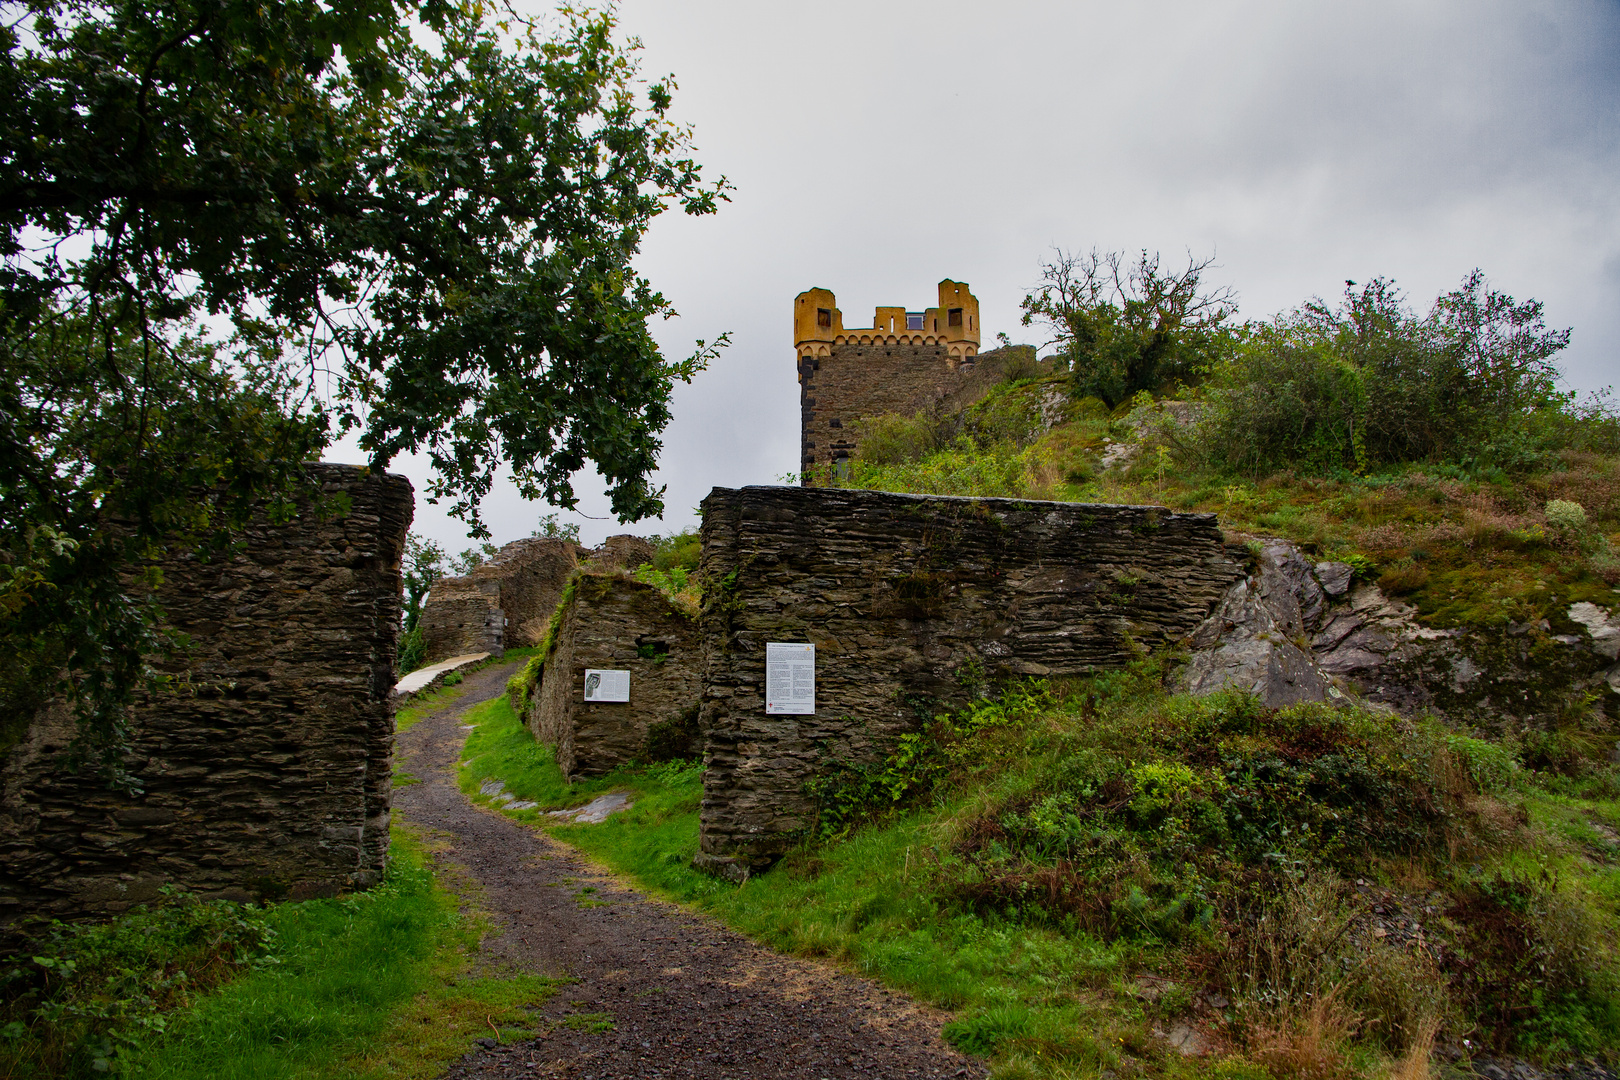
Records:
x=889, y=321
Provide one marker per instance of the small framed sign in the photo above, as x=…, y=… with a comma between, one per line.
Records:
x=790, y=678
x=603, y=685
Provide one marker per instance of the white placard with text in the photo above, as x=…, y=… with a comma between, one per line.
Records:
x=601, y=685
x=790, y=678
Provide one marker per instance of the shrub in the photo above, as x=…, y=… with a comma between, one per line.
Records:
x=1370, y=383
x=1565, y=516
x=892, y=439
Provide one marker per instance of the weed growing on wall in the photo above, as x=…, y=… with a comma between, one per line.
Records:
x=673, y=570
x=522, y=684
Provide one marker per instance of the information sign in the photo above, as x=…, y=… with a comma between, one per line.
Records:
x=790, y=678
x=603, y=685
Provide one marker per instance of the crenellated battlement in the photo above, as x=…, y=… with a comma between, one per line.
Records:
x=818, y=324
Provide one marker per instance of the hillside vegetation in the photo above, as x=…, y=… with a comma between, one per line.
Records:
x=1103, y=878
x=1312, y=891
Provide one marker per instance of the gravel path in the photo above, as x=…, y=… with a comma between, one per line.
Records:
x=686, y=997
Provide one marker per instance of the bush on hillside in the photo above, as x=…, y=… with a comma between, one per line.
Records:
x=892, y=439
x=1284, y=857
x=1370, y=383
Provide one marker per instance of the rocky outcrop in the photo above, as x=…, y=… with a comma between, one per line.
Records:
x=1293, y=630
x=912, y=602
x=270, y=776
x=618, y=624
x=1258, y=638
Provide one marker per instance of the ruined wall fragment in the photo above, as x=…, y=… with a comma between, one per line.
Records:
x=909, y=600
x=506, y=602
x=272, y=778
x=616, y=623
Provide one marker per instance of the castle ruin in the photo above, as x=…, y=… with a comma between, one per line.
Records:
x=270, y=776
x=508, y=601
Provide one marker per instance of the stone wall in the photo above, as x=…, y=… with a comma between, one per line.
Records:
x=617, y=623
x=910, y=600
x=462, y=616
x=623, y=552
x=271, y=777
x=507, y=601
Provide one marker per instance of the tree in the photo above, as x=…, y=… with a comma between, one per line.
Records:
x=1129, y=326
x=414, y=220
x=424, y=565
x=550, y=526
x=472, y=558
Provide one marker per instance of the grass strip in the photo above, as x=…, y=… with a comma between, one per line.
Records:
x=377, y=984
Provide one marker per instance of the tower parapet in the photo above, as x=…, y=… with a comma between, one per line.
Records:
x=818, y=324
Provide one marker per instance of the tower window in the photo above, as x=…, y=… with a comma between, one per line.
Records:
x=954, y=317
x=914, y=320
x=823, y=317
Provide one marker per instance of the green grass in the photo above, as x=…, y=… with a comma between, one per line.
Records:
x=947, y=893
x=375, y=984
x=448, y=692
x=501, y=748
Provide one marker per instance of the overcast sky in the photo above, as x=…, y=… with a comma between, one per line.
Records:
x=880, y=146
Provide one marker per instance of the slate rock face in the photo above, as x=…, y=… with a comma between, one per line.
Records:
x=912, y=601
x=273, y=778
x=618, y=624
x=1257, y=638
x=1293, y=631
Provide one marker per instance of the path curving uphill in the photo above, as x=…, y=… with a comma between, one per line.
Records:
x=687, y=997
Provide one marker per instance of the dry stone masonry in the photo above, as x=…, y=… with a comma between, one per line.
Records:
x=911, y=601
x=508, y=601
x=615, y=623
x=271, y=777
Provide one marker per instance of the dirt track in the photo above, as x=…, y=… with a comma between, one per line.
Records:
x=687, y=997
